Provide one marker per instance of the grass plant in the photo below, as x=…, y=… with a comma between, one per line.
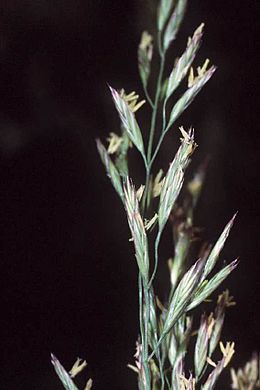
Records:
x=167, y=201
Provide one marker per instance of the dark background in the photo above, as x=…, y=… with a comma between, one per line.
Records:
x=68, y=281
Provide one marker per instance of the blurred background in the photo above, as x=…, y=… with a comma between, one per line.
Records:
x=68, y=275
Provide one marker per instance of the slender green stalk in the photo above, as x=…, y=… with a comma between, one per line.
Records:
x=155, y=109
x=140, y=290
x=156, y=257
x=158, y=146
x=148, y=97
x=153, y=120
x=161, y=375
x=145, y=345
x=164, y=115
x=144, y=333
x=146, y=188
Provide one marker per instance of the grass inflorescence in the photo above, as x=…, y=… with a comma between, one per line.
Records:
x=166, y=328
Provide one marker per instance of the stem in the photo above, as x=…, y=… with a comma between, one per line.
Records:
x=156, y=248
x=158, y=146
x=161, y=374
x=164, y=114
x=168, y=384
x=145, y=345
x=140, y=289
x=148, y=159
x=163, y=335
x=153, y=121
x=148, y=97
x=145, y=160
x=156, y=347
x=155, y=108
x=154, y=351
x=146, y=189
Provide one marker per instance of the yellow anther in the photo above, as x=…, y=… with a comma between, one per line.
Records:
x=201, y=70
x=114, y=143
x=77, y=367
x=132, y=100
x=227, y=351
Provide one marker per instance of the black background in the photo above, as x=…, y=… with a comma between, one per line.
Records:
x=68, y=277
